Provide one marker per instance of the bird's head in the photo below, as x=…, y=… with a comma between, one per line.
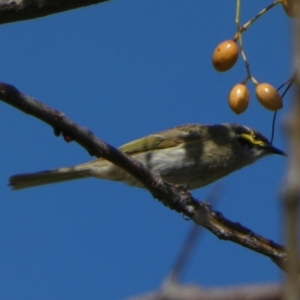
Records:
x=253, y=142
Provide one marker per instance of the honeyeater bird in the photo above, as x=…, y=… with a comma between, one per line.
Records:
x=194, y=154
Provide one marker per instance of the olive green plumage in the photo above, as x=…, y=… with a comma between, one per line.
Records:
x=193, y=154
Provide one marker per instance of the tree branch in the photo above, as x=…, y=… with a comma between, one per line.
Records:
x=19, y=10
x=253, y=292
x=176, y=197
x=291, y=189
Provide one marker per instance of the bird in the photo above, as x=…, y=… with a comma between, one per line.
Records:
x=194, y=155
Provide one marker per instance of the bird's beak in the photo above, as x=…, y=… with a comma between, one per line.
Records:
x=275, y=150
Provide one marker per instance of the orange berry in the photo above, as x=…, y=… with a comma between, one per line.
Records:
x=268, y=96
x=225, y=56
x=291, y=8
x=238, y=98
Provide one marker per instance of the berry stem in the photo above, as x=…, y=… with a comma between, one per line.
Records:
x=250, y=22
x=239, y=38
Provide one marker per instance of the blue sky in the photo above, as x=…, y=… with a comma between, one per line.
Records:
x=126, y=69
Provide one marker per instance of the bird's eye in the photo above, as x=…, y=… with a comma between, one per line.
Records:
x=254, y=136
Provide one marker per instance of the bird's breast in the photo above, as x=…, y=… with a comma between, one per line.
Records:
x=195, y=164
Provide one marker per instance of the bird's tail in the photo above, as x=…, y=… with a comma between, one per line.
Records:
x=96, y=168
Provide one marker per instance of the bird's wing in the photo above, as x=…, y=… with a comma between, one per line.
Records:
x=165, y=139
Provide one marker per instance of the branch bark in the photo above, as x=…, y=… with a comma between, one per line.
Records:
x=19, y=10
x=175, y=197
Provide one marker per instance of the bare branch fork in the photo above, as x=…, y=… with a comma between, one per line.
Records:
x=176, y=197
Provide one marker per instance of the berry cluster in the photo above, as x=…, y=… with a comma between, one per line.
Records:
x=226, y=54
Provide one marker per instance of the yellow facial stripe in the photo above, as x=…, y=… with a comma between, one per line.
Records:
x=251, y=138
